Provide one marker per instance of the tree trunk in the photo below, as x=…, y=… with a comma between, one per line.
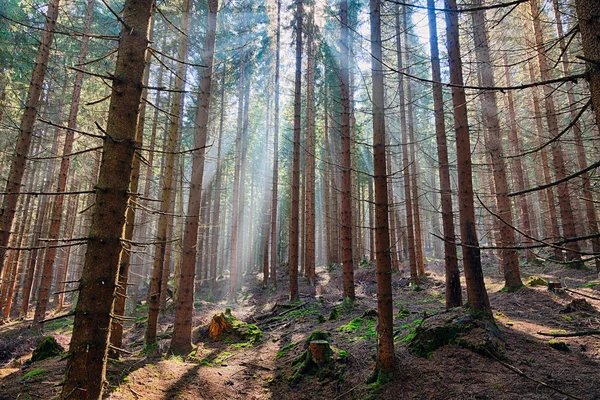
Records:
x=346, y=192
x=564, y=198
x=410, y=228
x=453, y=289
x=181, y=343
x=476, y=292
x=171, y=147
x=273, y=273
x=385, y=342
x=85, y=374
x=295, y=182
x=17, y=166
x=493, y=144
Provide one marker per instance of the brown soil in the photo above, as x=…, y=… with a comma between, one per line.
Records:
x=228, y=370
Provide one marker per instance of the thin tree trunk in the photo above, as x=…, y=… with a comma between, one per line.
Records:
x=564, y=198
x=453, y=289
x=476, y=292
x=493, y=144
x=171, y=146
x=345, y=162
x=17, y=166
x=410, y=228
x=85, y=373
x=385, y=337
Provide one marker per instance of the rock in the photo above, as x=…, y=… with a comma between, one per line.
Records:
x=48, y=347
x=460, y=327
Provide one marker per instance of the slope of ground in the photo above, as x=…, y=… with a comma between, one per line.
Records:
x=233, y=370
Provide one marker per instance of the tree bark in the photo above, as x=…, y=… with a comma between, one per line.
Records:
x=17, y=166
x=476, y=292
x=493, y=145
x=181, y=343
x=345, y=166
x=85, y=374
x=453, y=289
x=385, y=343
x=295, y=182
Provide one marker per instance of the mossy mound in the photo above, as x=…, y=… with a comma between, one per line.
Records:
x=578, y=305
x=225, y=324
x=47, y=348
x=536, y=281
x=457, y=326
x=558, y=345
x=318, y=359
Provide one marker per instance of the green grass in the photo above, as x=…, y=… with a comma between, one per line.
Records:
x=364, y=327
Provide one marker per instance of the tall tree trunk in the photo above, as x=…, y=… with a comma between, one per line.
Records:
x=587, y=194
x=453, y=289
x=410, y=228
x=493, y=144
x=181, y=343
x=17, y=166
x=116, y=334
x=85, y=374
x=476, y=292
x=517, y=165
x=385, y=337
x=560, y=171
x=171, y=147
x=588, y=15
x=217, y=200
x=295, y=182
x=345, y=166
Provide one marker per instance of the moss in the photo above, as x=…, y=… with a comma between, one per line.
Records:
x=353, y=325
x=225, y=324
x=321, y=364
x=403, y=313
x=33, y=373
x=536, y=281
x=567, y=318
x=320, y=319
x=558, y=345
x=334, y=315
x=284, y=351
x=47, y=348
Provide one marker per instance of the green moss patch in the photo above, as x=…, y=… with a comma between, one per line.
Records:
x=536, y=281
x=33, y=373
x=225, y=325
x=558, y=345
x=47, y=348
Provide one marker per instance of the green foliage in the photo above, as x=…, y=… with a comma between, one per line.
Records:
x=365, y=328
x=590, y=285
x=403, y=312
x=334, y=314
x=567, y=318
x=320, y=319
x=33, y=373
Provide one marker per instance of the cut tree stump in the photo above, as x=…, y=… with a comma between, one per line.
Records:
x=223, y=324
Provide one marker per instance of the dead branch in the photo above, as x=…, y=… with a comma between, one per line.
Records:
x=571, y=334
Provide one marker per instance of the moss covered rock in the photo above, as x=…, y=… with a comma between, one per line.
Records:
x=536, y=281
x=224, y=324
x=558, y=345
x=460, y=327
x=47, y=348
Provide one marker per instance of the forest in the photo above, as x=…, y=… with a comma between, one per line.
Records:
x=299, y=199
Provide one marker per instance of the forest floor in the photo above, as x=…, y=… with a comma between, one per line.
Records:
x=229, y=370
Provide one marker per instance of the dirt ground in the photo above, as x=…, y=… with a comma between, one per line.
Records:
x=531, y=369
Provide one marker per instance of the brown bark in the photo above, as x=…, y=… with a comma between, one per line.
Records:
x=171, y=146
x=17, y=166
x=476, y=292
x=217, y=200
x=116, y=334
x=588, y=15
x=453, y=289
x=345, y=167
x=181, y=343
x=85, y=374
x=590, y=209
x=309, y=191
x=385, y=343
x=273, y=273
x=493, y=145
x=410, y=228
x=517, y=165
x=564, y=198
x=326, y=184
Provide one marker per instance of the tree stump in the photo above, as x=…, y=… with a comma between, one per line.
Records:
x=225, y=323
x=320, y=351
